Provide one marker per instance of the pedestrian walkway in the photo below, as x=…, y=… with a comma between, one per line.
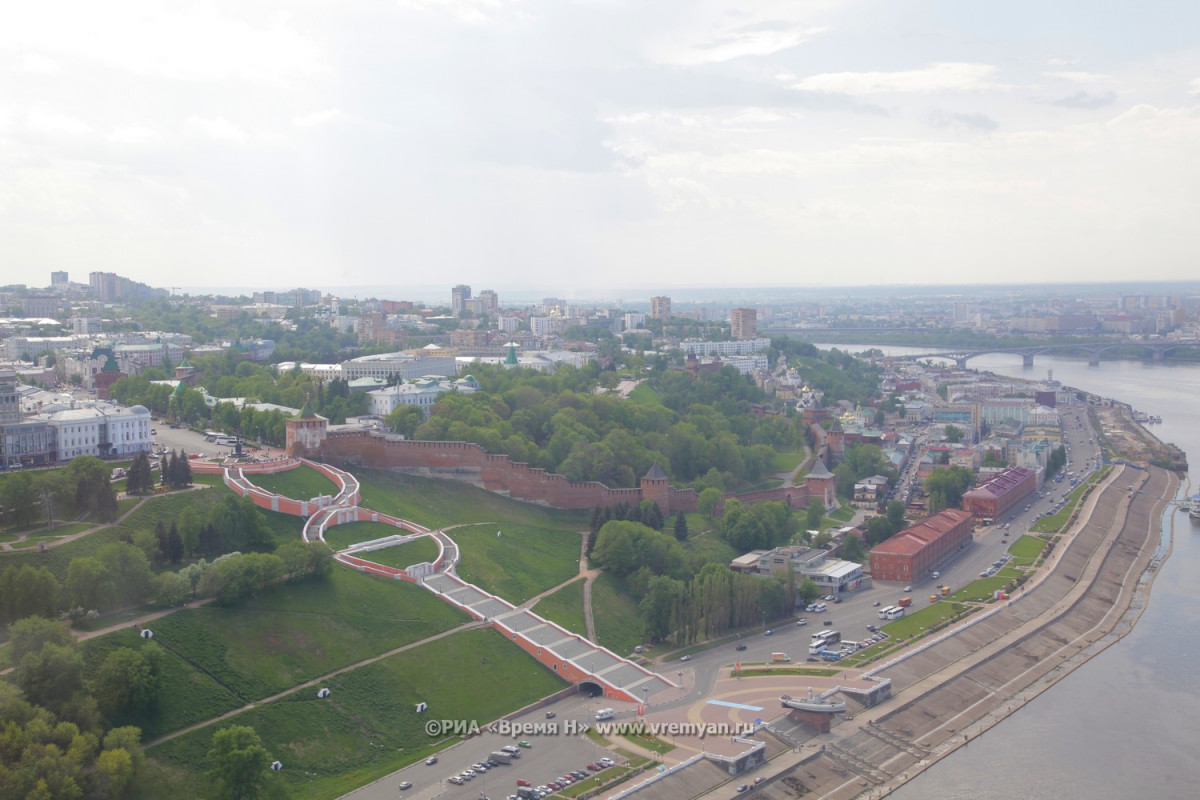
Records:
x=574, y=657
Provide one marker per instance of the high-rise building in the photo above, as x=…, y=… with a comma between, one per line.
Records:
x=60, y=281
x=660, y=308
x=489, y=301
x=459, y=296
x=743, y=324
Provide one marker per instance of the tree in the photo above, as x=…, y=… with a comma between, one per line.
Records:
x=26, y=590
x=954, y=434
x=20, y=499
x=90, y=584
x=51, y=675
x=681, y=527
x=809, y=591
x=239, y=762
x=114, y=773
x=171, y=588
x=32, y=633
x=707, y=502
x=130, y=571
x=852, y=548
x=139, y=478
x=405, y=420
x=814, y=514
x=128, y=680
x=945, y=486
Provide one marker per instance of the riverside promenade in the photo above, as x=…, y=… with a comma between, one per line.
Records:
x=948, y=691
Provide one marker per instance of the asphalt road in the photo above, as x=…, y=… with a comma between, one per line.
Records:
x=558, y=747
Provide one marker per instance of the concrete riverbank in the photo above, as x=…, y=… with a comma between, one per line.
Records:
x=1085, y=599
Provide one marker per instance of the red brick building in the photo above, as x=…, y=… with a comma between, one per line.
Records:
x=1001, y=494
x=917, y=549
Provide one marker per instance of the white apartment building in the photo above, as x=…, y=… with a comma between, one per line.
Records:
x=399, y=365
x=734, y=348
x=540, y=326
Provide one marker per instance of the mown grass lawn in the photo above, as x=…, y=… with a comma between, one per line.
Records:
x=1027, y=548
x=289, y=634
x=188, y=695
x=302, y=483
x=162, y=507
x=645, y=394
x=405, y=555
x=618, y=626
x=437, y=503
x=525, y=561
x=340, y=537
x=368, y=726
x=917, y=622
x=709, y=546
x=786, y=462
x=565, y=607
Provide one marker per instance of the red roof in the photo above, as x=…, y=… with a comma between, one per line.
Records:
x=1002, y=484
x=915, y=538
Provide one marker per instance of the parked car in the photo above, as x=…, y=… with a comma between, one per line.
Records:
x=740, y=647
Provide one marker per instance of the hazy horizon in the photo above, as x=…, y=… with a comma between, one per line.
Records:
x=601, y=143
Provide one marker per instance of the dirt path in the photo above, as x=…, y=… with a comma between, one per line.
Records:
x=8, y=546
x=789, y=478
x=309, y=684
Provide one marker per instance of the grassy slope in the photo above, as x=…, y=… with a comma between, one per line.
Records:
x=565, y=607
x=225, y=657
x=368, y=726
x=340, y=537
x=618, y=626
x=302, y=483
x=438, y=503
x=405, y=555
x=520, y=564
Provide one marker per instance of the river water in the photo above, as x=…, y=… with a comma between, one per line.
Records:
x=1127, y=723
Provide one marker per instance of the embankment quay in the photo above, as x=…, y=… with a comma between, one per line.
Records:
x=1088, y=594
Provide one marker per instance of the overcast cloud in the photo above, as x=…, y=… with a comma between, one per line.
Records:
x=599, y=143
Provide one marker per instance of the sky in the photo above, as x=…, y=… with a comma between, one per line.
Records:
x=598, y=143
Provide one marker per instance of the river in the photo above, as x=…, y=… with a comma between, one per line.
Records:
x=1127, y=723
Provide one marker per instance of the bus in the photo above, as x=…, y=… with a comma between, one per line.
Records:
x=895, y=612
x=823, y=640
x=883, y=612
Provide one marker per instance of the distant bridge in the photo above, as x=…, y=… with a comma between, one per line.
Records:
x=1156, y=350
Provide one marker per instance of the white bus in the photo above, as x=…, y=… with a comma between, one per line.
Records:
x=883, y=612
x=823, y=640
x=895, y=612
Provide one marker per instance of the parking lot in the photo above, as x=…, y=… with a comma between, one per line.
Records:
x=556, y=748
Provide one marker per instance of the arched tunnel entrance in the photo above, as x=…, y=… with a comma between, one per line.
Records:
x=591, y=689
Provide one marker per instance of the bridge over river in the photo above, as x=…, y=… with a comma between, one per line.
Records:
x=1156, y=351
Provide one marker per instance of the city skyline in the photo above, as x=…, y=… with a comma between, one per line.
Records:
x=594, y=145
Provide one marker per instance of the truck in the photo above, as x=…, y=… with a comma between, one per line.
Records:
x=780, y=658
x=500, y=757
x=604, y=713
x=905, y=602
x=945, y=591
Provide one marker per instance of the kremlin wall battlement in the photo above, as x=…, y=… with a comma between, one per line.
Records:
x=470, y=463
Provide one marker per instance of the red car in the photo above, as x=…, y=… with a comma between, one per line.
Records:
x=523, y=782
